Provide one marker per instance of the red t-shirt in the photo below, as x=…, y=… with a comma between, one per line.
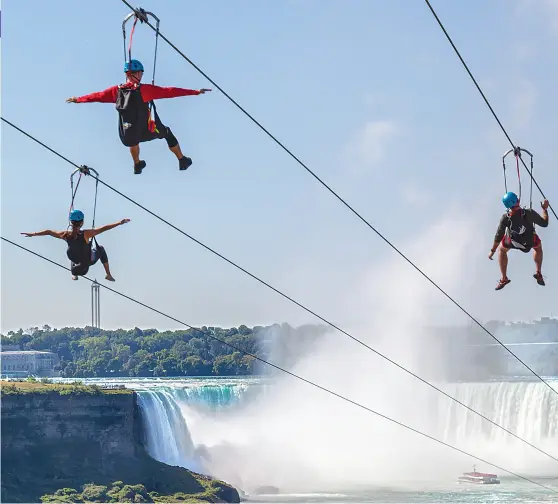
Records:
x=148, y=92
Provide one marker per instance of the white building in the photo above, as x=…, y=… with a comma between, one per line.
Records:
x=29, y=362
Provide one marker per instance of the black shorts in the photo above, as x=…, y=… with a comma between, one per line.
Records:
x=83, y=267
x=133, y=135
x=509, y=244
x=136, y=133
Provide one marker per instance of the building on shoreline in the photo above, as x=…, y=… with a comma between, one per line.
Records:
x=21, y=363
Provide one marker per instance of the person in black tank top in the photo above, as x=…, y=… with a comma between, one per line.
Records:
x=80, y=244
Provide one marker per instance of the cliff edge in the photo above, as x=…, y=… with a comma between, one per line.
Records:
x=76, y=443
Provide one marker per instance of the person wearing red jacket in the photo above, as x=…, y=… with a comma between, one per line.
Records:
x=135, y=124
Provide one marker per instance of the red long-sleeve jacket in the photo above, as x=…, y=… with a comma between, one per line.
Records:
x=148, y=92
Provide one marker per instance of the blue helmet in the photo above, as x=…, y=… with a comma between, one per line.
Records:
x=76, y=215
x=510, y=199
x=133, y=66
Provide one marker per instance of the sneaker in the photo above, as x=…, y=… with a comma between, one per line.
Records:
x=184, y=163
x=502, y=283
x=138, y=167
x=539, y=278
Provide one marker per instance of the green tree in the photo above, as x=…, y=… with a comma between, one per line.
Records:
x=89, y=351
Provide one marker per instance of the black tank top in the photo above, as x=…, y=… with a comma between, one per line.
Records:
x=79, y=251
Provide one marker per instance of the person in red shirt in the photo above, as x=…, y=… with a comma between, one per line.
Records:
x=135, y=124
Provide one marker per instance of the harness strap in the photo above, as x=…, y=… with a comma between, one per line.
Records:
x=131, y=38
x=72, y=190
x=517, y=154
x=151, y=105
x=155, y=55
x=84, y=170
x=95, y=208
x=142, y=15
x=517, y=151
x=531, y=191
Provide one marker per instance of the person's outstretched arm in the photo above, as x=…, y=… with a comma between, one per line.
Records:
x=106, y=96
x=151, y=92
x=90, y=233
x=46, y=232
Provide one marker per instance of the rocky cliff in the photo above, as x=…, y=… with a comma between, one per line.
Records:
x=105, y=422
x=64, y=437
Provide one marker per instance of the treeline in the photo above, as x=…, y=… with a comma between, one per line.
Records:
x=90, y=352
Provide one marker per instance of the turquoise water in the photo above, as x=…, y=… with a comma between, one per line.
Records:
x=207, y=393
x=170, y=407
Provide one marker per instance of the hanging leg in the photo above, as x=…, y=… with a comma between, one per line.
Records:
x=78, y=270
x=139, y=165
x=100, y=253
x=183, y=161
x=108, y=276
x=503, y=262
x=538, y=257
x=73, y=269
x=165, y=132
x=134, y=151
x=131, y=138
x=177, y=152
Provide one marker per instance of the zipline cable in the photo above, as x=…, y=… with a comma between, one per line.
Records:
x=486, y=100
x=238, y=349
x=341, y=199
x=308, y=310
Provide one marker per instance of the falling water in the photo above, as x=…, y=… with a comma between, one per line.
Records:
x=528, y=409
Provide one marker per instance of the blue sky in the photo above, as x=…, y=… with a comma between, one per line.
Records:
x=368, y=93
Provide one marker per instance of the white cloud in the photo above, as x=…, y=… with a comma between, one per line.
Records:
x=369, y=145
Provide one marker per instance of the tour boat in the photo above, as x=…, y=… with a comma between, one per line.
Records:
x=479, y=478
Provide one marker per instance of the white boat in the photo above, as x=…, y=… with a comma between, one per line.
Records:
x=479, y=478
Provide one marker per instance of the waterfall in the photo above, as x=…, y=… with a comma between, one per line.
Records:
x=166, y=411
x=529, y=409
x=167, y=435
x=197, y=427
